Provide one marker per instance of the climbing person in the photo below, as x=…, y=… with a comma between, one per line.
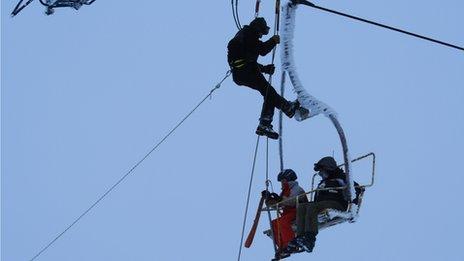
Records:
x=282, y=226
x=243, y=52
x=325, y=198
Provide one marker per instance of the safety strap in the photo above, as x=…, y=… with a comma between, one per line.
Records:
x=237, y=64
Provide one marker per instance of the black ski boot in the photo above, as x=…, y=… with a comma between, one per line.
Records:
x=308, y=242
x=291, y=249
x=266, y=130
x=297, y=243
x=281, y=255
x=291, y=108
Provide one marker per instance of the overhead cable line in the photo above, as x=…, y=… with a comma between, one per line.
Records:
x=257, y=5
x=379, y=24
x=234, y=6
x=131, y=170
x=237, y=14
x=233, y=13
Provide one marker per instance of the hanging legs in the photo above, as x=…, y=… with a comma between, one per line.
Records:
x=271, y=100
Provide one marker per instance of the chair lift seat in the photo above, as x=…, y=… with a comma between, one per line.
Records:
x=332, y=217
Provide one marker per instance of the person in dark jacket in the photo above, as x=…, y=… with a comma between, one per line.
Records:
x=243, y=52
x=325, y=198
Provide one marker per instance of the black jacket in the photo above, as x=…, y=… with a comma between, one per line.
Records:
x=337, y=179
x=246, y=45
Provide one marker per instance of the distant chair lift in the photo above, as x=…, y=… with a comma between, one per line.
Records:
x=331, y=217
x=51, y=4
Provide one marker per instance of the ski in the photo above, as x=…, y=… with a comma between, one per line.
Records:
x=252, y=233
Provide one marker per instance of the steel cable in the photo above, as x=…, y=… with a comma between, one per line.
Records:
x=131, y=169
x=383, y=26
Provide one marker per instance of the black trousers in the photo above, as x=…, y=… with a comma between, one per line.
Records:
x=253, y=78
x=307, y=215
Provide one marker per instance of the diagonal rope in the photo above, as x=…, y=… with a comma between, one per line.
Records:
x=268, y=210
x=131, y=170
x=248, y=198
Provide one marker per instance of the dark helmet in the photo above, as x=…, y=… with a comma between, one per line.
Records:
x=287, y=174
x=327, y=164
x=260, y=25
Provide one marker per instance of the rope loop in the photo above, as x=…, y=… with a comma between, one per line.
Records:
x=228, y=73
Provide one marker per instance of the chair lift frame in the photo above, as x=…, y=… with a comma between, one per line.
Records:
x=325, y=218
x=19, y=7
x=68, y=3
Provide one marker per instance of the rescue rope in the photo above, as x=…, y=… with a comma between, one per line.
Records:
x=268, y=181
x=268, y=210
x=131, y=169
x=248, y=198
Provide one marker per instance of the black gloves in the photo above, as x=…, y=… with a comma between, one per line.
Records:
x=276, y=39
x=268, y=69
x=265, y=194
x=268, y=195
x=275, y=196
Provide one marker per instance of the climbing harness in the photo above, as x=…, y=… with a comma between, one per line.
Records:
x=131, y=170
x=237, y=64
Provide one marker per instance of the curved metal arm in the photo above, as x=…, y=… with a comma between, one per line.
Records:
x=346, y=156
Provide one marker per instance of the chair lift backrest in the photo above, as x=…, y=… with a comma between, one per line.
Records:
x=331, y=217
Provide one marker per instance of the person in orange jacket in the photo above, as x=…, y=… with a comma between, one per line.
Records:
x=282, y=226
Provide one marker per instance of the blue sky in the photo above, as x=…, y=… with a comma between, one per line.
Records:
x=86, y=94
